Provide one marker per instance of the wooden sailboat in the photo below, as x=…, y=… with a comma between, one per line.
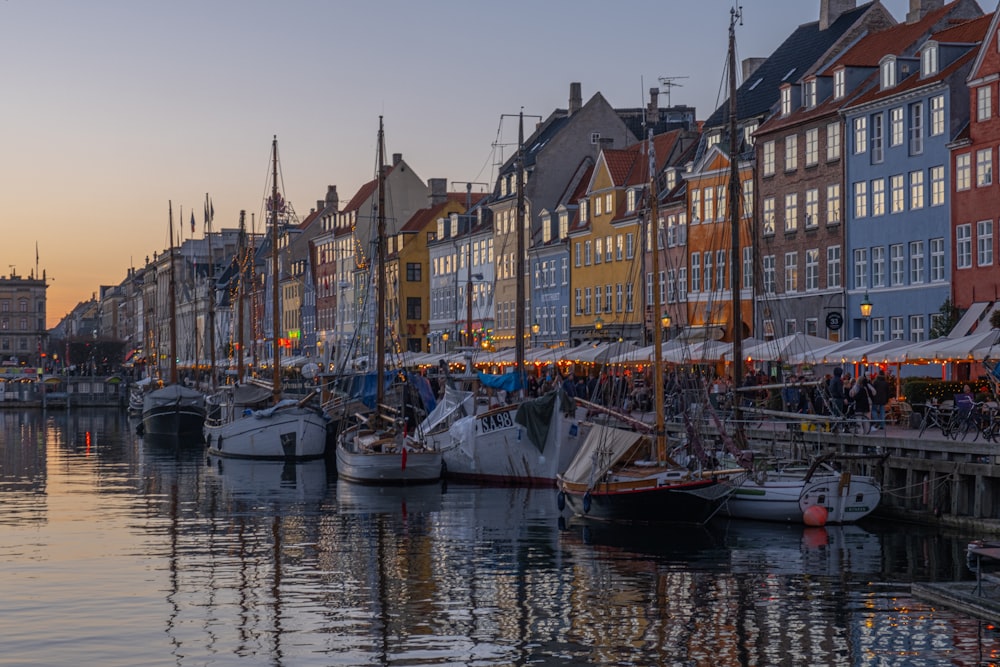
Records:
x=286, y=428
x=378, y=449
x=173, y=410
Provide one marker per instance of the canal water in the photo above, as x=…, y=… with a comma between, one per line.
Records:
x=119, y=552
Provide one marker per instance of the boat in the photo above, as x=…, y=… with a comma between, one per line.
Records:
x=173, y=410
x=253, y=424
x=378, y=449
x=816, y=494
x=525, y=441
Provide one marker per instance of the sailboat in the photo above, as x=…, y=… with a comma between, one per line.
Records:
x=255, y=424
x=525, y=442
x=378, y=449
x=173, y=410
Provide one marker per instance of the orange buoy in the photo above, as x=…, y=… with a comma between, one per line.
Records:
x=815, y=515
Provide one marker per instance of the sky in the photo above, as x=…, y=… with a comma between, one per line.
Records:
x=110, y=109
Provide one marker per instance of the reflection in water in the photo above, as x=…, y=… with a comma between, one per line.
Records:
x=198, y=560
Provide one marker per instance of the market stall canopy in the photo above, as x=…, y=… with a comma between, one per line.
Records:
x=795, y=345
x=974, y=347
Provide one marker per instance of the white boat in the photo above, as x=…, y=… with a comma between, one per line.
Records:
x=269, y=426
x=378, y=450
x=793, y=494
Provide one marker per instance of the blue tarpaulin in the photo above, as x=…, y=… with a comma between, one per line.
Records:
x=508, y=381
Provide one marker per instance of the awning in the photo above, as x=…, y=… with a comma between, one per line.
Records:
x=969, y=319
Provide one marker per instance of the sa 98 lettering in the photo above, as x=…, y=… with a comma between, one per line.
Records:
x=495, y=422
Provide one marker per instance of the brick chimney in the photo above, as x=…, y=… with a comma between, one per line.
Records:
x=653, y=108
x=332, y=200
x=438, y=190
x=575, y=98
x=396, y=158
x=750, y=66
x=830, y=11
x=921, y=8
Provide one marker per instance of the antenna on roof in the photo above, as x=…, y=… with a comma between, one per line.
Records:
x=668, y=82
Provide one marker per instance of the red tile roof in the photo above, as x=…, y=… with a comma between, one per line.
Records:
x=873, y=46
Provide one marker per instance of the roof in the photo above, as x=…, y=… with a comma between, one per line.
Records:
x=899, y=39
x=800, y=51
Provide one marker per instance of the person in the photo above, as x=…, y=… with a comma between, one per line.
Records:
x=791, y=395
x=837, y=397
x=879, y=401
x=862, y=393
x=569, y=384
x=964, y=402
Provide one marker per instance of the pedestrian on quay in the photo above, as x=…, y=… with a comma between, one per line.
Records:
x=837, y=398
x=879, y=401
x=862, y=392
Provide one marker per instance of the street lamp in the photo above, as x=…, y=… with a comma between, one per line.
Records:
x=598, y=323
x=535, y=328
x=866, y=313
x=665, y=321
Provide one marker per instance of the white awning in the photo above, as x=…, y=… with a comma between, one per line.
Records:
x=969, y=319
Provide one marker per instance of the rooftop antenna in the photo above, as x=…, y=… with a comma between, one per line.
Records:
x=668, y=82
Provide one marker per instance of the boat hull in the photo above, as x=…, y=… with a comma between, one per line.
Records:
x=786, y=498
x=492, y=447
x=173, y=411
x=690, y=502
x=294, y=433
x=364, y=457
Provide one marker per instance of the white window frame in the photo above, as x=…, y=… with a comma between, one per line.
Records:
x=963, y=246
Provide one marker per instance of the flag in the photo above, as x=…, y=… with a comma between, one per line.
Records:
x=192, y=222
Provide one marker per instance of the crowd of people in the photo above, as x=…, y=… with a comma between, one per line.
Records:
x=840, y=395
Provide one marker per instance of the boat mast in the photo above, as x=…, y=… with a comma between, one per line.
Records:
x=380, y=276
x=654, y=224
x=468, y=265
x=275, y=311
x=171, y=296
x=736, y=263
x=241, y=258
x=519, y=266
x=211, y=294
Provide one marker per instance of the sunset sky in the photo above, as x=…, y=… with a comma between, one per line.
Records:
x=110, y=109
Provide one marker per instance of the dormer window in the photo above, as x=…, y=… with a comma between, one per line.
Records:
x=888, y=72
x=583, y=210
x=748, y=131
x=929, y=59
x=786, y=100
x=671, y=177
x=838, y=84
x=810, y=94
x=630, y=200
x=714, y=139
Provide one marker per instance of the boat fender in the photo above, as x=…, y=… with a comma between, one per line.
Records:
x=561, y=501
x=760, y=477
x=586, y=502
x=815, y=515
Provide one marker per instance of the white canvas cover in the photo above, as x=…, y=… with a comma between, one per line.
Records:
x=603, y=448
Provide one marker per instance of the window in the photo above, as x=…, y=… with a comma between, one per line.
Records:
x=768, y=149
x=812, y=208
x=629, y=246
x=695, y=205
x=413, y=272
x=916, y=190
x=833, y=141
x=916, y=328
x=608, y=203
x=812, y=269
x=586, y=301
x=769, y=274
x=577, y=255
x=747, y=267
x=812, y=326
x=607, y=298
x=860, y=135
x=809, y=94
x=790, y=327
x=768, y=221
x=937, y=186
x=671, y=286
x=937, y=115
x=413, y=308
x=578, y=296
x=696, y=272
x=607, y=248
x=618, y=297
x=896, y=126
x=583, y=211
x=963, y=246
x=888, y=73
x=747, y=198
x=896, y=264
x=896, y=327
x=708, y=271
x=630, y=200
x=597, y=205
x=786, y=100
x=838, y=84
x=963, y=171
x=897, y=191
x=878, y=329
x=984, y=243
x=937, y=260
x=708, y=197
x=791, y=212
x=877, y=154
x=586, y=253
x=791, y=152
x=916, y=262
x=812, y=147
x=860, y=268
x=861, y=199
x=682, y=291
x=878, y=266
x=878, y=197
x=984, y=102
x=984, y=167
x=833, y=214
x=629, y=297
x=916, y=128
x=720, y=205
x=833, y=266
x=720, y=269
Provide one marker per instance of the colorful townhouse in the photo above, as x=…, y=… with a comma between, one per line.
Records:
x=975, y=189
x=896, y=183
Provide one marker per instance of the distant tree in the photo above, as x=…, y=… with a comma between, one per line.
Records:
x=995, y=319
x=950, y=314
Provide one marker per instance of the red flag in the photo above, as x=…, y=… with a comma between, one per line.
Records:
x=403, y=458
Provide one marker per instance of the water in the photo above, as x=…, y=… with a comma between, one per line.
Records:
x=115, y=551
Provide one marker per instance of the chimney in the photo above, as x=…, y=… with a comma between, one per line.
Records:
x=439, y=190
x=319, y=205
x=653, y=109
x=750, y=66
x=921, y=8
x=332, y=199
x=396, y=158
x=830, y=11
x=575, y=98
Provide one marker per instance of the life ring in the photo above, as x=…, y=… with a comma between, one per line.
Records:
x=586, y=503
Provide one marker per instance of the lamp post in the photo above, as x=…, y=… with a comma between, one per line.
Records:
x=534, y=331
x=444, y=337
x=598, y=324
x=866, y=313
x=665, y=321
